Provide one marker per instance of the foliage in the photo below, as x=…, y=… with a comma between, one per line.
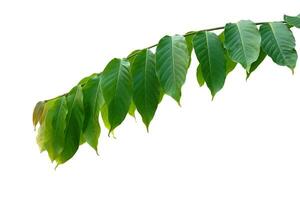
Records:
x=139, y=82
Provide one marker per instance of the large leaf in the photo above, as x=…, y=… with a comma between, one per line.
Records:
x=37, y=112
x=210, y=53
x=279, y=43
x=93, y=102
x=230, y=64
x=172, y=60
x=74, y=124
x=242, y=40
x=117, y=90
x=292, y=20
x=146, y=88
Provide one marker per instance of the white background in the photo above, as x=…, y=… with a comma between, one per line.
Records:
x=243, y=145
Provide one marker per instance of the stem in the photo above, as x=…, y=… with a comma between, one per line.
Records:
x=154, y=45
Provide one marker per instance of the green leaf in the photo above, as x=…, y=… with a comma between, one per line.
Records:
x=86, y=79
x=172, y=60
x=292, y=20
x=74, y=124
x=242, y=40
x=37, y=112
x=230, y=64
x=93, y=102
x=200, y=77
x=279, y=43
x=117, y=90
x=210, y=53
x=189, y=42
x=132, y=108
x=52, y=131
x=146, y=88
x=254, y=65
x=104, y=114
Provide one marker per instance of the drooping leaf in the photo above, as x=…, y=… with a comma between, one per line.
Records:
x=172, y=60
x=145, y=85
x=210, y=53
x=104, y=114
x=117, y=90
x=230, y=64
x=74, y=124
x=242, y=40
x=93, y=102
x=37, y=112
x=292, y=20
x=261, y=57
x=278, y=42
x=52, y=131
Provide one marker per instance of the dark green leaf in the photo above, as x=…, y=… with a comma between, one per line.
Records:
x=93, y=102
x=210, y=53
x=145, y=85
x=279, y=43
x=254, y=65
x=172, y=60
x=242, y=40
x=74, y=124
x=117, y=91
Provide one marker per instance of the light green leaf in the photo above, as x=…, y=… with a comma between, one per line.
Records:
x=172, y=60
x=242, y=40
x=146, y=88
x=279, y=43
x=86, y=79
x=200, y=77
x=117, y=90
x=254, y=65
x=52, y=131
x=292, y=20
x=37, y=112
x=74, y=124
x=230, y=64
x=93, y=102
x=132, y=108
x=104, y=114
x=210, y=53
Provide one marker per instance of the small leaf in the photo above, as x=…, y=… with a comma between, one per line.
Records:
x=172, y=60
x=74, y=124
x=200, y=78
x=292, y=20
x=189, y=43
x=230, y=64
x=210, y=53
x=254, y=65
x=145, y=85
x=37, y=112
x=86, y=79
x=93, y=102
x=117, y=90
x=279, y=43
x=242, y=40
x=132, y=108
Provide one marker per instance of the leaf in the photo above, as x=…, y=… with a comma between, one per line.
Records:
x=146, y=88
x=200, y=77
x=74, y=124
x=93, y=102
x=132, y=108
x=230, y=65
x=242, y=40
x=210, y=53
x=292, y=20
x=104, y=114
x=52, y=131
x=172, y=60
x=261, y=57
x=86, y=79
x=189, y=42
x=279, y=43
x=37, y=112
x=117, y=90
